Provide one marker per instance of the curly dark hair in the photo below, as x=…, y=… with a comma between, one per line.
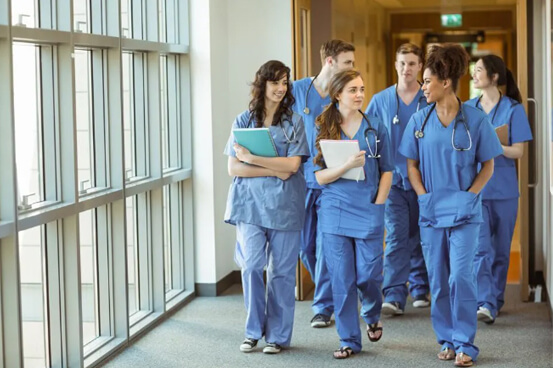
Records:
x=330, y=119
x=272, y=70
x=448, y=61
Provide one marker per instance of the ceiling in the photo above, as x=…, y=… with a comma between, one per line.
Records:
x=443, y=4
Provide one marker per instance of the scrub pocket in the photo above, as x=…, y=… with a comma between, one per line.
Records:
x=449, y=208
x=366, y=219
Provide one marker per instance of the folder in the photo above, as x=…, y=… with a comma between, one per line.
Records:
x=502, y=132
x=258, y=141
x=337, y=152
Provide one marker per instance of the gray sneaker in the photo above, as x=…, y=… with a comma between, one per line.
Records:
x=272, y=348
x=421, y=301
x=485, y=315
x=320, y=320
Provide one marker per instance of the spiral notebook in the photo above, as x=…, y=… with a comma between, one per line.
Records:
x=258, y=141
x=337, y=152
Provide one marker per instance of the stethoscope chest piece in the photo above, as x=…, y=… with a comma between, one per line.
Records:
x=306, y=110
x=419, y=134
x=395, y=120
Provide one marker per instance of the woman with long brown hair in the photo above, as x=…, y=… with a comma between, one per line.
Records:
x=265, y=202
x=352, y=212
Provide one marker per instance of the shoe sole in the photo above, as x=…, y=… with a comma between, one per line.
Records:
x=271, y=351
x=389, y=311
x=421, y=304
x=320, y=324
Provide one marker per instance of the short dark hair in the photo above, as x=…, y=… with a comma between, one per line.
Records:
x=334, y=48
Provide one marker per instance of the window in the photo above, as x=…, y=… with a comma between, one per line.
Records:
x=170, y=111
x=91, y=123
x=89, y=275
x=134, y=116
x=25, y=13
x=32, y=261
x=172, y=240
x=34, y=99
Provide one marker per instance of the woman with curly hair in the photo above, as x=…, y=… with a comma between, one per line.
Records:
x=265, y=202
x=352, y=212
x=444, y=144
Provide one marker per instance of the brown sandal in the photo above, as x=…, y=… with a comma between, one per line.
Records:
x=342, y=350
x=446, y=354
x=463, y=360
x=373, y=329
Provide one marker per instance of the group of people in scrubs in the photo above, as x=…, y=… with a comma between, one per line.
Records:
x=427, y=159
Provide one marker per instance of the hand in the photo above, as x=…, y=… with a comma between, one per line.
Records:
x=242, y=153
x=283, y=175
x=356, y=160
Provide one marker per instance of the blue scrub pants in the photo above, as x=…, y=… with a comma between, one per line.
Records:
x=355, y=267
x=403, y=259
x=312, y=256
x=494, y=250
x=449, y=254
x=271, y=312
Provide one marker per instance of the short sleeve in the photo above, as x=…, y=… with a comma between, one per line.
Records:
x=519, y=126
x=487, y=145
x=299, y=146
x=386, y=160
x=409, y=146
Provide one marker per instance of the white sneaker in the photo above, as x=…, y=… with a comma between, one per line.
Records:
x=248, y=345
x=485, y=315
x=391, y=309
x=272, y=348
x=421, y=301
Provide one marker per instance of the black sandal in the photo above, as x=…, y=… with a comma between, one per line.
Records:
x=374, y=328
x=344, y=349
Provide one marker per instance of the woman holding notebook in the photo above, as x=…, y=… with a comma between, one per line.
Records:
x=265, y=202
x=500, y=195
x=352, y=211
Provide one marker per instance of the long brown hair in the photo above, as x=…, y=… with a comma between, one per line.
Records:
x=495, y=65
x=272, y=70
x=330, y=119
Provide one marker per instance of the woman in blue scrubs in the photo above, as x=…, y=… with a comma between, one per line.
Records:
x=352, y=212
x=500, y=196
x=265, y=202
x=444, y=145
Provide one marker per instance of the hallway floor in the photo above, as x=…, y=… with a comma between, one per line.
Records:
x=208, y=331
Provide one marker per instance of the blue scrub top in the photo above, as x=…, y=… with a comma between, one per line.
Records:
x=384, y=106
x=447, y=174
x=347, y=206
x=269, y=201
x=316, y=105
x=504, y=182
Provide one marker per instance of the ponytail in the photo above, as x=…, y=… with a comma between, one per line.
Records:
x=511, y=87
x=329, y=128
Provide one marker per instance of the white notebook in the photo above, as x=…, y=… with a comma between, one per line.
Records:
x=336, y=152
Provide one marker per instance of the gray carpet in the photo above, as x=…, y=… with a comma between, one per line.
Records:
x=208, y=331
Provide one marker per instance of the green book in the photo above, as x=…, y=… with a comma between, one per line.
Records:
x=258, y=141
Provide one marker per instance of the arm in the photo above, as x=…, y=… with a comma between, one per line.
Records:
x=384, y=187
x=282, y=164
x=483, y=177
x=515, y=151
x=326, y=176
x=237, y=168
x=415, y=176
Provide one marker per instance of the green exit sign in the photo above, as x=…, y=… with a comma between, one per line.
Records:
x=452, y=20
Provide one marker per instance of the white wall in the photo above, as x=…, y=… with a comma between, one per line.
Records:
x=229, y=40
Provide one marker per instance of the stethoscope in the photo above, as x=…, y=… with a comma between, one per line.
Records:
x=371, y=131
x=306, y=110
x=288, y=139
x=496, y=106
x=420, y=133
x=395, y=120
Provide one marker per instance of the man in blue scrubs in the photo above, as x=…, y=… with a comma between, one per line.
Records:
x=311, y=96
x=403, y=254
